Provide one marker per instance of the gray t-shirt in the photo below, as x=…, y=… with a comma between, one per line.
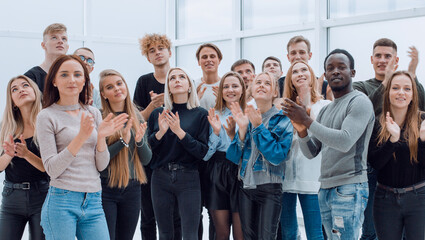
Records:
x=55, y=130
x=342, y=132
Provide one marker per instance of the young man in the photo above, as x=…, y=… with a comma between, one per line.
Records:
x=209, y=57
x=341, y=132
x=247, y=70
x=299, y=48
x=384, y=58
x=55, y=44
x=148, y=95
x=87, y=56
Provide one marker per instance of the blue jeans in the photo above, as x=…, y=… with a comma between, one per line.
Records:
x=395, y=212
x=311, y=213
x=181, y=186
x=66, y=214
x=368, y=228
x=342, y=210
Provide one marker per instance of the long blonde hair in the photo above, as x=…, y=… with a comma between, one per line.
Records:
x=289, y=91
x=119, y=174
x=412, y=121
x=192, y=101
x=13, y=123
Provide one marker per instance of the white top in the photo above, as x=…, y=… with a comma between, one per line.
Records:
x=302, y=174
x=208, y=100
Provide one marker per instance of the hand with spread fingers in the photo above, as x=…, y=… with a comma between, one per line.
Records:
x=231, y=127
x=298, y=115
x=214, y=121
x=110, y=125
x=254, y=115
x=201, y=90
x=9, y=147
x=389, y=70
x=413, y=64
x=240, y=118
x=173, y=121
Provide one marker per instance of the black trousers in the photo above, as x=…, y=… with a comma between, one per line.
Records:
x=147, y=216
x=259, y=210
x=394, y=211
x=121, y=207
x=20, y=207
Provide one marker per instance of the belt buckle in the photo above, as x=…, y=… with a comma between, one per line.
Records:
x=25, y=185
x=172, y=167
x=400, y=190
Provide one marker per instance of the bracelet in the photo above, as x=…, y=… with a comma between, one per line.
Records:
x=123, y=142
x=141, y=145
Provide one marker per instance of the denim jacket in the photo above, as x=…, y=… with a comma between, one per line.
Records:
x=273, y=143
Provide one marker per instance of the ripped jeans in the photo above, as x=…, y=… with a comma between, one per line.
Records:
x=342, y=208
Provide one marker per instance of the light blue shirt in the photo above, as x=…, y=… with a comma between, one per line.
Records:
x=222, y=141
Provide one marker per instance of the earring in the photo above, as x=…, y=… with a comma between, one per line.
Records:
x=189, y=91
x=15, y=108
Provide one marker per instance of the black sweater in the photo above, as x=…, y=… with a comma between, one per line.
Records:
x=170, y=149
x=396, y=172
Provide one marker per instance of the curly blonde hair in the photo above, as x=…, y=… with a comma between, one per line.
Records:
x=150, y=40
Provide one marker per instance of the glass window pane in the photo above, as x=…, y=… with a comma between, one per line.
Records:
x=198, y=18
x=403, y=32
x=348, y=8
x=35, y=16
x=256, y=49
x=186, y=58
x=259, y=14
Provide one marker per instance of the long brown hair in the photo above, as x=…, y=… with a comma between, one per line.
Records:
x=289, y=91
x=220, y=103
x=51, y=93
x=411, y=123
x=119, y=173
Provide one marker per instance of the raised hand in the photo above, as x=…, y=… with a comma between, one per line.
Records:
x=173, y=121
x=21, y=149
x=254, y=115
x=141, y=132
x=126, y=132
x=298, y=115
x=86, y=126
x=422, y=131
x=157, y=99
x=201, y=90
x=215, y=90
x=9, y=146
x=241, y=119
x=392, y=128
x=231, y=127
x=110, y=125
x=162, y=122
x=214, y=121
x=414, y=55
x=389, y=70
x=320, y=81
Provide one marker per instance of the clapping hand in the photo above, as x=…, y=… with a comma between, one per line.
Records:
x=111, y=124
x=231, y=127
x=9, y=146
x=21, y=149
x=254, y=115
x=393, y=128
x=214, y=121
x=414, y=55
x=141, y=132
x=201, y=90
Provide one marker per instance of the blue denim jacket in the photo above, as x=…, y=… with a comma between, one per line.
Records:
x=273, y=143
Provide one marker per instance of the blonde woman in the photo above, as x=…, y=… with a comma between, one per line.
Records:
x=129, y=151
x=26, y=183
x=178, y=135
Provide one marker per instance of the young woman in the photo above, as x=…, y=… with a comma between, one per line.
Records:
x=26, y=183
x=302, y=174
x=178, y=135
x=260, y=147
x=397, y=152
x=129, y=151
x=222, y=185
x=71, y=136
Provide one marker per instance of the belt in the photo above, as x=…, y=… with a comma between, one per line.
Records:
x=24, y=185
x=174, y=166
x=402, y=190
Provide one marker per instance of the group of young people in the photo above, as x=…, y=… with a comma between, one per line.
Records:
x=82, y=162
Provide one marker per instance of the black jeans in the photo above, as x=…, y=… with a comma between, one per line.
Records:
x=19, y=207
x=260, y=210
x=181, y=186
x=147, y=216
x=121, y=207
x=394, y=211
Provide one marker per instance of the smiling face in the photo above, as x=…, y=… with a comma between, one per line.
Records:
x=401, y=92
x=158, y=55
x=55, y=43
x=208, y=60
x=232, y=90
x=178, y=82
x=300, y=75
x=263, y=88
x=70, y=79
x=114, y=89
x=381, y=57
x=247, y=73
x=21, y=92
x=338, y=72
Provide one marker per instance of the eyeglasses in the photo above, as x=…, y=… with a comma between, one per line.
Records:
x=89, y=61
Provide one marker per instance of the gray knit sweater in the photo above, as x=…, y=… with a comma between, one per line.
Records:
x=55, y=130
